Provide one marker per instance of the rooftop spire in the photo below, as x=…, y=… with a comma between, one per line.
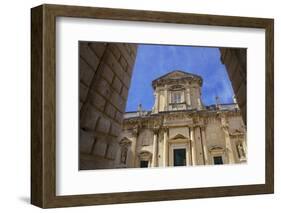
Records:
x=140, y=109
x=217, y=101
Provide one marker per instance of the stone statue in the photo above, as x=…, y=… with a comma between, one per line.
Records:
x=241, y=151
x=123, y=158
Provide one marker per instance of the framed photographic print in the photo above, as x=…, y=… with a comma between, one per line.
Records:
x=137, y=106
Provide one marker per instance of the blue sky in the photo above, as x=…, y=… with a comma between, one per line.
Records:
x=154, y=61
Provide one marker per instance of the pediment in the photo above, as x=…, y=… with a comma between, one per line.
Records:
x=176, y=75
x=125, y=141
x=216, y=149
x=179, y=136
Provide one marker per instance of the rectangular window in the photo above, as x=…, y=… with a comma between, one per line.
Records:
x=179, y=157
x=176, y=97
x=144, y=164
x=218, y=160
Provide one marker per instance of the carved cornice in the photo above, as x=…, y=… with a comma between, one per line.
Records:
x=196, y=118
x=177, y=116
x=176, y=77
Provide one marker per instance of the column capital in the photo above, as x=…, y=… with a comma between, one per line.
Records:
x=197, y=125
x=191, y=126
x=135, y=131
x=203, y=127
x=225, y=127
x=155, y=130
x=165, y=128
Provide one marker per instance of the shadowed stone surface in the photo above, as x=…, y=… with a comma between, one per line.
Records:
x=105, y=71
x=235, y=60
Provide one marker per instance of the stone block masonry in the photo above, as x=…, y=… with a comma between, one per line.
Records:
x=235, y=60
x=105, y=71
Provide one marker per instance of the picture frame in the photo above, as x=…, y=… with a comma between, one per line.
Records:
x=43, y=105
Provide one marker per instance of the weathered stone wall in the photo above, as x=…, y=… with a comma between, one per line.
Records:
x=235, y=60
x=105, y=71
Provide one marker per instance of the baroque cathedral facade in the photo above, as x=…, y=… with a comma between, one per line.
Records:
x=180, y=130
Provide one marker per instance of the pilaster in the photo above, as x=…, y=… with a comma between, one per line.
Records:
x=165, y=148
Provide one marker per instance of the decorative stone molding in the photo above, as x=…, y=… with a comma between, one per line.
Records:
x=165, y=128
x=156, y=129
x=238, y=134
x=225, y=128
x=203, y=127
x=135, y=131
x=145, y=155
x=177, y=77
x=216, y=150
x=125, y=142
x=176, y=87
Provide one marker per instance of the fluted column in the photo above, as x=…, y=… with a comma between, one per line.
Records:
x=155, y=148
x=193, y=148
x=204, y=142
x=165, y=148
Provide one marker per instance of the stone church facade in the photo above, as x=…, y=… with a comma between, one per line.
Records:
x=180, y=130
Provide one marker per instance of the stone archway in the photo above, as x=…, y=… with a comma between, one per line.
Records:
x=105, y=74
x=235, y=60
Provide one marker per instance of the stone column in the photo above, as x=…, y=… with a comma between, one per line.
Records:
x=245, y=146
x=165, y=148
x=204, y=142
x=166, y=107
x=188, y=98
x=228, y=146
x=193, y=148
x=155, y=148
x=199, y=103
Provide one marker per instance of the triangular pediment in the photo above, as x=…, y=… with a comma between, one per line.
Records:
x=216, y=149
x=176, y=75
